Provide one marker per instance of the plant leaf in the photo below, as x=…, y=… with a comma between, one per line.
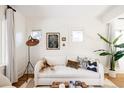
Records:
x=99, y=50
x=105, y=53
x=120, y=45
x=116, y=39
x=119, y=52
x=103, y=38
x=118, y=55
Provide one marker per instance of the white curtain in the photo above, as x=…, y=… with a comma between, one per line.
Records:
x=11, y=70
x=0, y=35
x=2, y=30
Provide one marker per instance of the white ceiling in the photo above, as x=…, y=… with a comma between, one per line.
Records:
x=61, y=10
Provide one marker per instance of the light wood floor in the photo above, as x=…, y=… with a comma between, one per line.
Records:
x=118, y=81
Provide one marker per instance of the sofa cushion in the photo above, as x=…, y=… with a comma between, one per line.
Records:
x=67, y=72
x=73, y=64
x=56, y=60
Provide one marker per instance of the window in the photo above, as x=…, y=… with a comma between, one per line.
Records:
x=36, y=34
x=121, y=40
x=77, y=36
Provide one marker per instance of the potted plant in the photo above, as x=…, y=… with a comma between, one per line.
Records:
x=115, y=51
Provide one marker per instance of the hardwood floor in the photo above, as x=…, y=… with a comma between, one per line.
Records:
x=118, y=81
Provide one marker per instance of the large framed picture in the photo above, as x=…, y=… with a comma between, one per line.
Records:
x=53, y=41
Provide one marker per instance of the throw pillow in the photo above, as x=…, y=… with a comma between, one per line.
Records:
x=83, y=62
x=92, y=66
x=73, y=64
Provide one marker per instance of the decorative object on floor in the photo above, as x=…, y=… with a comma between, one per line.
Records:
x=55, y=84
x=116, y=51
x=84, y=85
x=30, y=42
x=30, y=84
x=61, y=85
x=53, y=41
x=63, y=38
x=69, y=84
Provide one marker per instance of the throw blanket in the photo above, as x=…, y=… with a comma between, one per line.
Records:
x=46, y=65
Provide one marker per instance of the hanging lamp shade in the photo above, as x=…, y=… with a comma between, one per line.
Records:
x=32, y=42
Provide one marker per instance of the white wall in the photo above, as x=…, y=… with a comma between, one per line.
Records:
x=20, y=38
x=87, y=23
x=112, y=13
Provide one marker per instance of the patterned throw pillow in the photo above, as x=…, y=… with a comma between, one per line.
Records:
x=92, y=66
x=73, y=64
x=83, y=62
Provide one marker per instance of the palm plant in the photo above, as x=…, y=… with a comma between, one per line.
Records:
x=116, y=51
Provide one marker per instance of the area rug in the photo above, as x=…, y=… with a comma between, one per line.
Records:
x=30, y=84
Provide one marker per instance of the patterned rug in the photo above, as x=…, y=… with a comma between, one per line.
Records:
x=30, y=84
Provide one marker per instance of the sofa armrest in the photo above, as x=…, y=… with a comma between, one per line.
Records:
x=4, y=81
x=37, y=69
x=101, y=71
x=38, y=66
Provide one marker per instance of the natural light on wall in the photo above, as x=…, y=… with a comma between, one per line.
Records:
x=77, y=36
x=36, y=34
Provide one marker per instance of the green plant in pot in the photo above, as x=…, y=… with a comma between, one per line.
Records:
x=116, y=51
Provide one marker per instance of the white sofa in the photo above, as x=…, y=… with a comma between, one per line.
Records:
x=63, y=73
x=5, y=82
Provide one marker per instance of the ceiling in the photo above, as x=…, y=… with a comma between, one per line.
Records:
x=61, y=10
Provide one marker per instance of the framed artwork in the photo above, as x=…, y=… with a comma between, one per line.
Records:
x=63, y=38
x=53, y=41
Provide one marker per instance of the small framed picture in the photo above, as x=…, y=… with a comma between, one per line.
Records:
x=53, y=41
x=63, y=38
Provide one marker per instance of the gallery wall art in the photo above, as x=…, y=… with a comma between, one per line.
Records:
x=53, y=41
